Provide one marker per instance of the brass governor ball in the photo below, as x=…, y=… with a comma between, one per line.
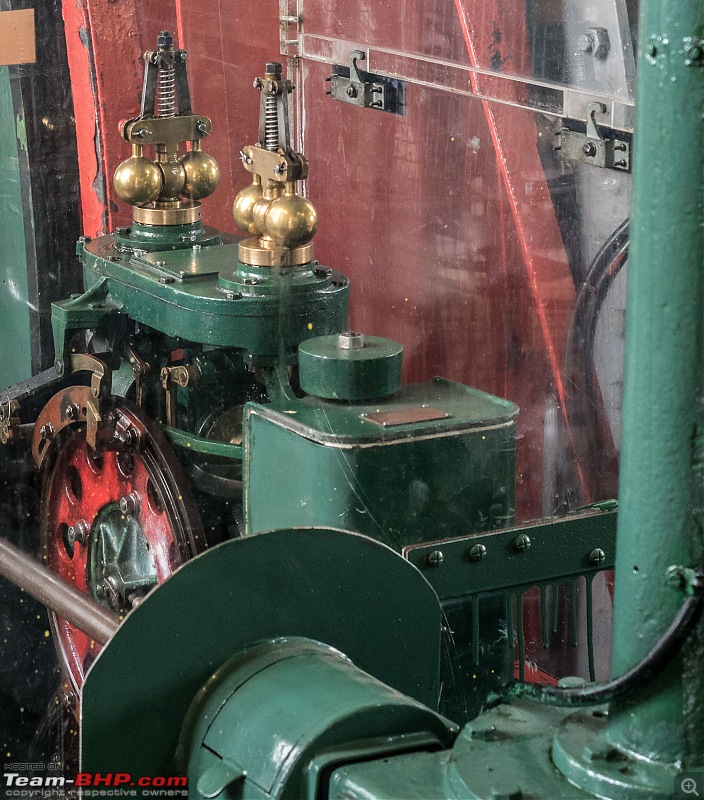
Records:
x=291, y=220
x=138, y=181
x=202, y=174
x=243, y=208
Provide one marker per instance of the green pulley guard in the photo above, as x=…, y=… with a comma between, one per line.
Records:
x=342, y=589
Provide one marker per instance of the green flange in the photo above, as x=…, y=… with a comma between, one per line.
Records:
x=350, y=366
x=582, y=753
x=165, y=237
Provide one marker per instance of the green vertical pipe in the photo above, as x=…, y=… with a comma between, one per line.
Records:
x=663, y=381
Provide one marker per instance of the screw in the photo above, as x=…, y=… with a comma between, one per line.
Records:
x=589, y=149
x=621, y=163
x=47, y=431
x=167, y=280
x=279, y=169
x=477, y=552
x=257, y=83
x=78, y=532
x=597, y=557
x=73, y=411
x=350, y=340
x=521, y=543
x=183, y=55
x=202, y=127
x=352, y=91
x=435, y=558
x=130, y=504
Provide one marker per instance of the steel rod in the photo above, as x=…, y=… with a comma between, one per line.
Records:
x=57, y=594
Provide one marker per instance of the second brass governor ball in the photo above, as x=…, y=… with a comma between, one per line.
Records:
x=202, y=174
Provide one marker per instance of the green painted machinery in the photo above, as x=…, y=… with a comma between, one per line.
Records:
x=206, y=388
x=292, y=703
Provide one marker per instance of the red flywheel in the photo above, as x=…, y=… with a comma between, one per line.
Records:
x=115, y=520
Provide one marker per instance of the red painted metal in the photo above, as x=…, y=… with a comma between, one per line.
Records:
x=105, y=89
x=81, y=487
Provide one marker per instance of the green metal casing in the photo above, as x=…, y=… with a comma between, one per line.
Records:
x=274, y=721
x=203, y=294
x=330, y=371
x=352, y=593
x=401, y=481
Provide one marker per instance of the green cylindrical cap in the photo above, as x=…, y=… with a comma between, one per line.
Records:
x=350, y=366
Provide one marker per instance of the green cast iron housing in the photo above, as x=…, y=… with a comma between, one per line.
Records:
x=435, y=459
x=202, y=294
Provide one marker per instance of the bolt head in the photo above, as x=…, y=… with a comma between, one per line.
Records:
x=129, y=504
x=164, y=39
x=350, y=340
x=521, y=543
x=597, y=557
x=352, y=91
x=274, y=68
x=477, y=552
x=435, y=558
x=585, y=43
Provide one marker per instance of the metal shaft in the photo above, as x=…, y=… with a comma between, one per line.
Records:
x=661, y=459
x=57, y=594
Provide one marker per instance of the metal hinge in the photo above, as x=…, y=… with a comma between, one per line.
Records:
x=592, y=148
x=365, y=89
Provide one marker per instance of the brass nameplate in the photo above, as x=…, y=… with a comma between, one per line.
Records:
x=406, y=416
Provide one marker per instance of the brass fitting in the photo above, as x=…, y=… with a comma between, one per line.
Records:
x=281, y=221
x=165, y=189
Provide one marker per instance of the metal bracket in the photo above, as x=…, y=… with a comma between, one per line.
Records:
x=9, y=422
x=173, y=377
x=592, y=148
x=365, y=89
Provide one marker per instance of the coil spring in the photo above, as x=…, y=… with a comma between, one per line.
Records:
x=271, y=123
x=167, y=90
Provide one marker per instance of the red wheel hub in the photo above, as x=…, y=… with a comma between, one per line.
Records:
x=113, y=524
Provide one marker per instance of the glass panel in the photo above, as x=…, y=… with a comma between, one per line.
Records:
x=584, y=49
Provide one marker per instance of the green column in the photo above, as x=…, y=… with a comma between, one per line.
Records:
x=663, y=383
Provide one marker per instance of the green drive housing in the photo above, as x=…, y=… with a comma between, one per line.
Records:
x=433, y=460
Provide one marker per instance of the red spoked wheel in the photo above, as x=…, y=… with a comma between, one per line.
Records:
x=115, y=521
